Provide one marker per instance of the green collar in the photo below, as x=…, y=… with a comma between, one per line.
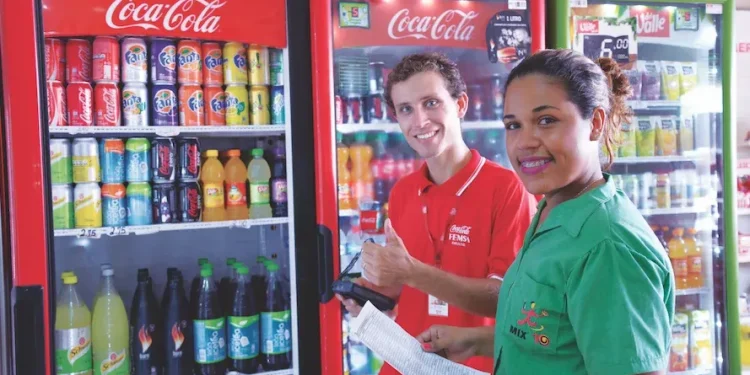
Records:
x=573, y=213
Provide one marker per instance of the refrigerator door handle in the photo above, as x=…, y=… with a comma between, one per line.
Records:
x=325, y=263
x=28, y=330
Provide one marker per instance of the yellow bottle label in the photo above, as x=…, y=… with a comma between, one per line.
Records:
x=213, y=195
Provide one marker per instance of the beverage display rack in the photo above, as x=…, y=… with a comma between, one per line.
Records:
x=169, y=131
x=152, y=229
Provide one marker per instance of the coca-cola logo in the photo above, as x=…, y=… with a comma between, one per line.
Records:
x=167, y=57
x=213, y=60
x=165, y=101
x=183, y=15
x=652, y=23
x=83, y=55
x=193, y=159
x=368, y=220
x=165, y=160
x=240, y=61
x=219, y=103
x=588, y=26
x=462, y=229
x=193, y=201
x=110, y=105
x=195, y=103
x=84, y=97
x=451, y=24
x=189, y=58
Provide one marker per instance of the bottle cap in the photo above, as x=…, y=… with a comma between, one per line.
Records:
x=70, y=279
x=202, y=260
x=108, y=272
x=207, y=272
x=142, y=274
x=242, y=270
x=231, y=261
x=212, y=153
x=360, y=137
x=105, y=266
x=233, y=152
x=207, y=266
x=258, y=152
x=67, y=273
x=237, y=265
x=272, y=267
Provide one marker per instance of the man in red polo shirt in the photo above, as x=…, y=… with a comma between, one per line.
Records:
x=456, y=224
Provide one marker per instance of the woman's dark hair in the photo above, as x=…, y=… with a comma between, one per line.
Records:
x=589, y=85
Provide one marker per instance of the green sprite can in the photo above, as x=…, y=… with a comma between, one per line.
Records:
x=62, y=206
x=61, y=163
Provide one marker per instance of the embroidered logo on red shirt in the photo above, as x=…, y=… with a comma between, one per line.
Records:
x=460, y=235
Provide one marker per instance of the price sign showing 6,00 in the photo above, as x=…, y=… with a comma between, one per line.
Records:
x=617, y=48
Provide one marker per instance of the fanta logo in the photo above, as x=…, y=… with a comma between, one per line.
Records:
x=240, y=61
x=219, y=103
x=189, y=58
x=165, y=101
x=167, y=57
x=184, y=15
x=213, y=60
x=135, y=55
x=195, y=103
x=439, y=27
x=132, y=103
x=233, y=104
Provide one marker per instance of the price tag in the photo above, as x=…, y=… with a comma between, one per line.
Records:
x=614, y=47
x=245, y=223
x=579, y=3
x=714, y=8
x=517, y=4
x=167, y=131
x=89, y=233
x=117, y=231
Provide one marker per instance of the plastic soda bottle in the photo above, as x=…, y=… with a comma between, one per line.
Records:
x=212, y=178
x=110, y=330
x=145, y=330
x=243, y=325
x=195, y=286
x=678, y=253
x=279, y=199
x=225, y=284
x=695, y=259
x=259, y=175
x=344, y=177
x=275, y=323
x=72, y=330
x=209, y=328
x=235, y=187
x=362, y=181
x=177, y=330
x=258, y=281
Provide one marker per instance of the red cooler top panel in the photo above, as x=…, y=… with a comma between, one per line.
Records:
x=234, y=20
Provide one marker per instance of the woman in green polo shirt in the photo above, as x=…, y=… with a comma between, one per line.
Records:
x=592, y=290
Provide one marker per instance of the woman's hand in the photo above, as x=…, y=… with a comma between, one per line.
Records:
x=456, y=344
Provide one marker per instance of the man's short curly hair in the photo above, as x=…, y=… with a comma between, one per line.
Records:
x=426, y=62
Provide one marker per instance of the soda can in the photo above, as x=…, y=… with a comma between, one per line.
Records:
x=277, y=105
x=476, y=102
x=115, y=211
x=134, y=60
x=189, y=156
x=375, y=76
x=137, y=160
x=139, y=203
x=163, y=61
x=376, y=110
x=135, y=104
x=106, y=59
x=88, y=205
x=494, y=111
x=112, y=156
x=191, y=105
x=259, y=111
x=353, y=110
x=80, y=104
x=107, y=104
x=164, y=108
x=189, y=62
x=189, y=202
x=257, y=58
x=164, y=203
x=54, y=60
x=57, y=109
x=215, y=105
x=235, y=63
x=78, y=60
x=162, y=160
x=62, y=207
x=237, y=106
x=86, y=161
x=213, y=69
x=61, y=162
x=276, y=66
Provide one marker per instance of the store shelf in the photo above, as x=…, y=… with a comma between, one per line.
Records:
x=151, y=229
x=661, y=159
x=394, y=128
x=280, y=372
x=348, y=213
x=168, y=131
x=692, y=291
x=694, y=372
x=657, y=105
x=699, y=209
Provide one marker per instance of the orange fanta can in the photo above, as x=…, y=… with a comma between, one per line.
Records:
x=215, y=105
x=213, y=70
x=189, y=62
x=191, y=105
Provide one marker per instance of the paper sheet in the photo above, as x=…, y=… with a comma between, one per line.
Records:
x=402, y=351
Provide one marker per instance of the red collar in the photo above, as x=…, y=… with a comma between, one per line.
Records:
x=458, y=183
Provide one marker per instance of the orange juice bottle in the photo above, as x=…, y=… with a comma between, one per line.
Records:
x=344, y=177
x=212, y=179
x=695, y=259
x=235, y=187
x=362, y=180
x=678, y=253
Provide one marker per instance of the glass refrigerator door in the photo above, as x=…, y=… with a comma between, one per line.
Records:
x=670, y=160
x=486, y=38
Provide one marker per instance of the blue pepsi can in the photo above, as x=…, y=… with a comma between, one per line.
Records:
x=114, y=206
x=163, y=61
x=112, y=154
x=164, y=104
x=139, y=203
x=137, y=160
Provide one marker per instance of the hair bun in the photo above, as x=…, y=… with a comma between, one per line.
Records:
x=617, y=79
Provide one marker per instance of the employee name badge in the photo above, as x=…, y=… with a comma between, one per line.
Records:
x=437, y=307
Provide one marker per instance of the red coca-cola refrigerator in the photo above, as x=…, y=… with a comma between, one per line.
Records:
x=360, y=151
x=94, y=186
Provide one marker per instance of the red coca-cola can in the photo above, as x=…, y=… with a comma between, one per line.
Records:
x=54, y=59
x=56, y=109
x=78, y=60
x=107, y=104
x=106, y=59
x=339, y=110
x=80, y=104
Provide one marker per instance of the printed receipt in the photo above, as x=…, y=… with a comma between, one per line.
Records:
x=386, y=338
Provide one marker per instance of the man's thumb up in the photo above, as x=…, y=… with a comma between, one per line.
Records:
x=391, y=237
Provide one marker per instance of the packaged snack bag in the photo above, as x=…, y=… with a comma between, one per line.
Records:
x=645, y=136
x=636, y=82
x=651, y=80
x=666, y=135
x=688, y=77
x=686, y=130
x=678, y=353
x=628, y=140
x=670, y=79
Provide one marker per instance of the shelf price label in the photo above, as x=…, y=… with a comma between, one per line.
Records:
x=117, y=231
x=598, y=37
x=89, y=233
x=613, y=47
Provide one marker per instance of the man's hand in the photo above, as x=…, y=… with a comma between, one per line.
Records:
x=456, y=344
x=354, y=309
x=388, y=265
